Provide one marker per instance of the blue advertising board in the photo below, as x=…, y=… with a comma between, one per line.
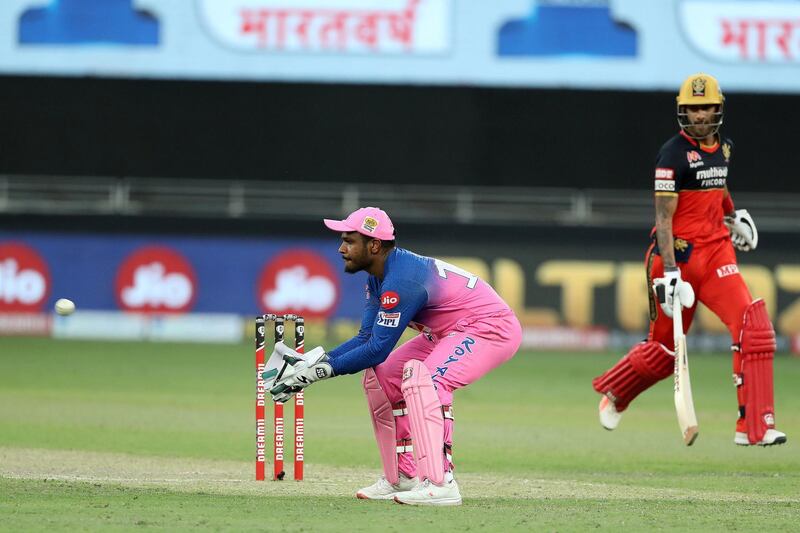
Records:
x=155, y=274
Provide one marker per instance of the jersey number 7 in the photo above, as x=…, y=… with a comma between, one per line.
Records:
x=443, y=268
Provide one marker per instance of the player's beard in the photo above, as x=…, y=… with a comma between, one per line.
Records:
x=701, y=129
x=355, y=264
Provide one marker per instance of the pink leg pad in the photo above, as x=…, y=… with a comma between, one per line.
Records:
x=427, y=421
x=383, y=423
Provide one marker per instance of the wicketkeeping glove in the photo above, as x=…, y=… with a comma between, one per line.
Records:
x=276, y=366
x=302, y=371
x=667, y=287
x=744, y=234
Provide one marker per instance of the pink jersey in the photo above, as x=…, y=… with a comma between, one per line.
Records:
x=455, y=295
x=419, y=292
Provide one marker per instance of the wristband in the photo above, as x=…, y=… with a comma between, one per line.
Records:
x=727, y=205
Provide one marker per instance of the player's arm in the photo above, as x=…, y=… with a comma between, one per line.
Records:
x=727, y=203
x=744, y=234
x=666, y=205
x=367, y=321
x=301, y=370
x=386, y=331
x=671, y=284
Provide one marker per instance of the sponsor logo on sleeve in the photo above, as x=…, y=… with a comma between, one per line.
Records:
x=388, y=320
x=665, y=179
x=665, y=174
x=390, y=299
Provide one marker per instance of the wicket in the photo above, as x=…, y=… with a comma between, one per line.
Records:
x=261, y=402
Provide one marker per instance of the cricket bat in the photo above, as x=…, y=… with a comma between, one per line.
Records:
x=684, y=404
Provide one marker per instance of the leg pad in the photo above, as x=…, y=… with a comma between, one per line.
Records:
x=383, y=423
x=427, y=421
x=757, y=345
x=646, y=364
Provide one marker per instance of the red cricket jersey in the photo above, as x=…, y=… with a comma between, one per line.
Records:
x=697, y=176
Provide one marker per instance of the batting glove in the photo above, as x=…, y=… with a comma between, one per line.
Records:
x=667, y=287
x=744, y=234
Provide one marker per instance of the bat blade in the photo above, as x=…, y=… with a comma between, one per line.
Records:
x=684, y=402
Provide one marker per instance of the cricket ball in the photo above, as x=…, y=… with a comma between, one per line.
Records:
x=64, y=306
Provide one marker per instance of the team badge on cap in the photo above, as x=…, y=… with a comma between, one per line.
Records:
x=369, y=224
x=699, y=87
x=370, y=221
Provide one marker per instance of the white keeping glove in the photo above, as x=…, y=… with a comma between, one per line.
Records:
x=276, y=365
x=744, y=234
x=668, y=286
x=302, y=371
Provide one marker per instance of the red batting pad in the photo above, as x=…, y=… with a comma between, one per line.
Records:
x=646, y=364
x=758, y=350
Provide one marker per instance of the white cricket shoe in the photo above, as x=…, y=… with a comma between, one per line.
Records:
x=383, y=490
x=429, y=493
x=609, y=416
x=771, y=437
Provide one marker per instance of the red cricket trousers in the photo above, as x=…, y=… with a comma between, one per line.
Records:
x=714, y=275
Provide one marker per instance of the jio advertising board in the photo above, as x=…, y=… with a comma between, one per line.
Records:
x=751, y=45
x=176, y=275
x=201, y=289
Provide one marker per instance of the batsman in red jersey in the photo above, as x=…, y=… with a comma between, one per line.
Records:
x=696, y=231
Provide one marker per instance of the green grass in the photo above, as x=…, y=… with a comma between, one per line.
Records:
x=160, y=436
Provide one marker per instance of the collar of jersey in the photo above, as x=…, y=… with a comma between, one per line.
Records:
x=388, y=263
x=706, y=149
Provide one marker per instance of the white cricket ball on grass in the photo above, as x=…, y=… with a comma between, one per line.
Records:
x=64, y=306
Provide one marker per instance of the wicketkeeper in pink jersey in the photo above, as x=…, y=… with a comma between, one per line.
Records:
x=465, y=330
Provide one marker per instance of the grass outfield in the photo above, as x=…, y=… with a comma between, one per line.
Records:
x=160, y=436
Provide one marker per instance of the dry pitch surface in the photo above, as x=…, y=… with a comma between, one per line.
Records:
x=235, y=478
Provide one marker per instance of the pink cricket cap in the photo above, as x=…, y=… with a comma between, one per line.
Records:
x=369, y=221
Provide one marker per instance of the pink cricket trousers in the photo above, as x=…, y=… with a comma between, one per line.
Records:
x=458, y=358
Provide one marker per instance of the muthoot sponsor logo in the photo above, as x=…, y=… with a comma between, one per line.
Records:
x=713, y=172
x=713, y=177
